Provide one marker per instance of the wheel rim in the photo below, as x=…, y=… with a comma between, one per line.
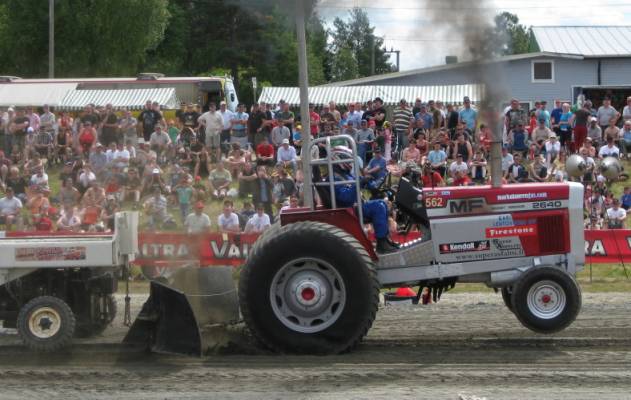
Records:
x=44, y=322
x=307, y=295
x=546, y=299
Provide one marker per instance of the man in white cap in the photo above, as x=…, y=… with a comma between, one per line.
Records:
x=553, y=148
x=286, y=156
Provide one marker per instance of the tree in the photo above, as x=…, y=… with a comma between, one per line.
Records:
x=357, y=35
x=344, y=66
x=510, y=36
x=92, y=38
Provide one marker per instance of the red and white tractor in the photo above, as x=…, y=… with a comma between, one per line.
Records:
x=311, y=284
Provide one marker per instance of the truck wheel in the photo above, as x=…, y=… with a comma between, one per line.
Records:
x=507, y=296
x=88, y=328
x=309, y=288
x=546, y=300
x=46, y=323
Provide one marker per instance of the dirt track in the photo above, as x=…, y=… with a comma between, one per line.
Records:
x=466, y=346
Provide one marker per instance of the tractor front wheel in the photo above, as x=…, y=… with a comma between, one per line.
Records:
x=546, y=300
x=309, y=288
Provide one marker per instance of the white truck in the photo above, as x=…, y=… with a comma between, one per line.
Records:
x=54, y=287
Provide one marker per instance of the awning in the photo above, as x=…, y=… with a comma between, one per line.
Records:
x=33, y=94
x=391, y=95
x=133, y=99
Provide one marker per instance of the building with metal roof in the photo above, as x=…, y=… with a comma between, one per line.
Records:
x=593, y=61
x=587, y=41
x=391, y=95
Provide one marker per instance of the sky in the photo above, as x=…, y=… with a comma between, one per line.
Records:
x=405, y=24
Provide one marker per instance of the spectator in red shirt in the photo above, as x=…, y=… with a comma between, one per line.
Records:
x=87, y=137
x=265, y=153
x=430, y=177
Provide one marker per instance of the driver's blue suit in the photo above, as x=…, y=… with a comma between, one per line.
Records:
x=376, y=211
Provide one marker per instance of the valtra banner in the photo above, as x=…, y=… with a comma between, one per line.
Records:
x=161, y=249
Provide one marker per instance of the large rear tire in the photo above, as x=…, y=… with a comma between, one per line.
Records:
x=46, y=324
x=546, y=300
x=309, y=288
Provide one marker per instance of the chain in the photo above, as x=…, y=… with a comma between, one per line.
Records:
x=126, y=276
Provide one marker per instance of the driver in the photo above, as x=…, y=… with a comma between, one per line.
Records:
x=376, y=211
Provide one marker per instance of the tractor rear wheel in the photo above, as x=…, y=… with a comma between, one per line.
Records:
x=46, y=324
x=309, y=288
x=546, y=300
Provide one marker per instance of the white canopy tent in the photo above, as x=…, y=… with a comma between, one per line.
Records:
x=33, y=94
x=133, y=99
x=391, y=95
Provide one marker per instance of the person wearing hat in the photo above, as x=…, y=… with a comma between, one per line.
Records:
x=375, y=172
x=286, y=156
x=280, y=132
x=259, y=222
x=552, y=148
x=286, y=116
x=197, y=221
x=468, y=115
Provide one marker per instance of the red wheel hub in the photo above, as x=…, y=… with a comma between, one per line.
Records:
x=308, y=294
x=546, y=298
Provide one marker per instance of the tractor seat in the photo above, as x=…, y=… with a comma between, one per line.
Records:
x=409, y=199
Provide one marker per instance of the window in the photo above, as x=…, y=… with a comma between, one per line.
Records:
x=542, y=71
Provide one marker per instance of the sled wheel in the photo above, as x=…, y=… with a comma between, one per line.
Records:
x=86, y=329
x=46, y=324
x=546, y=300
x=309, y=288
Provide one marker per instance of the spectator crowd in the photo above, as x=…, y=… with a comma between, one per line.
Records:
x=74, y=172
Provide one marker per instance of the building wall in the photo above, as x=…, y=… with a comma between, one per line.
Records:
x=616, y=71
x=514, y=78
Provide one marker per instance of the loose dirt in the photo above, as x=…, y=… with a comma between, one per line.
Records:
x=467, y=346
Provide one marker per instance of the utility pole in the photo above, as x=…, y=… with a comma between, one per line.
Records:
x=303, y=75
x=51, y=39
x=397, y=52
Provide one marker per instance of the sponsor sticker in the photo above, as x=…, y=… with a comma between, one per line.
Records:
x=506, y=231
x=464, y=247
x=50, y=253
x=522, y=196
